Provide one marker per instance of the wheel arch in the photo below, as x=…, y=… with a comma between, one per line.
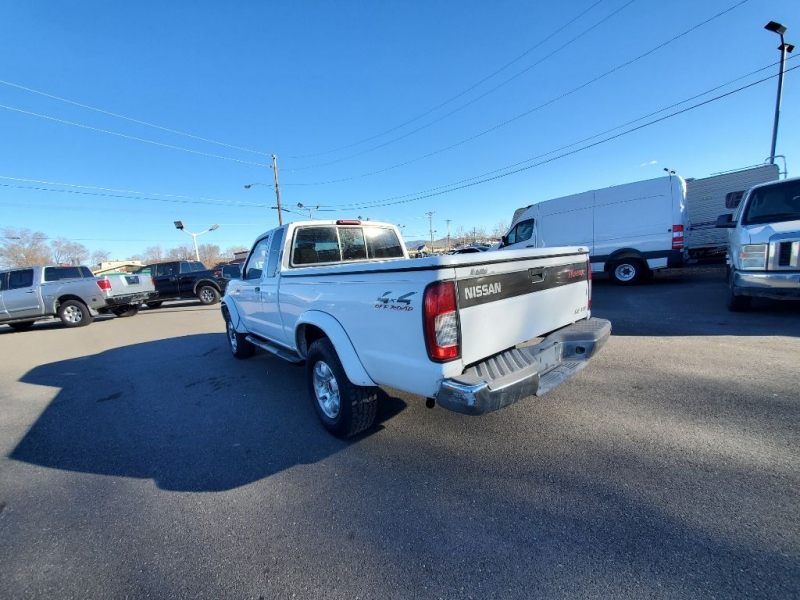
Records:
x=67, y=297
x=206, y=282
x=624, y=253
x=313, y=325
x=231, y=311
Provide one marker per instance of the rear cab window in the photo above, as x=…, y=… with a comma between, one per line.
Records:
x=330, y=244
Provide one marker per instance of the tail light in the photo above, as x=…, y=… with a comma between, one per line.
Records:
x=677, y=237
x=589, y=271
x=104, y=284
x=440, y=319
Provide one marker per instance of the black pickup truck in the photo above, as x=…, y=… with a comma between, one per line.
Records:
x=181, y=279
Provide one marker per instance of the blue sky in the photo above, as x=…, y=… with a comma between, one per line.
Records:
x=373, y=109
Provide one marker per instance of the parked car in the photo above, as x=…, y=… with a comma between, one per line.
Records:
x=469, y=250
x=126, y=292
x=30, y=294
x=764, y=244
x=181, y=279
x=343, y=297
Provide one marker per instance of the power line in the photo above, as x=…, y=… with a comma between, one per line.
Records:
x=526, y=113
x=124, y=197
x=446, y=102
x=130, y=137
x=452, y=112
x=132, y=120
x=486, y=177
x=142, y=195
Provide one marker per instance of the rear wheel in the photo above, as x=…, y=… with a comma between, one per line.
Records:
x=345, y=409
x=237, y=342
x=74, y=313
x=154, y=304
x=128, y=310
x=627, y=271
x=207, y=295
x=735, y=302
x=22, y=326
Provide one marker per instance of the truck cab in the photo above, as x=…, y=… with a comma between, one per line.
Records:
x=764, y=244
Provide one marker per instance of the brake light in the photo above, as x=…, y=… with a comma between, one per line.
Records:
x=348, y=222
x=677, y=237
x=589, y=270
x=104, y=284
x=440, y=320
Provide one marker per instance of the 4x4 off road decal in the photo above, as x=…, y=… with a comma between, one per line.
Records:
x=481, y=290
x=389, y=301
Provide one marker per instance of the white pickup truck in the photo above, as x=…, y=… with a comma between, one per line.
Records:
x=471, y=332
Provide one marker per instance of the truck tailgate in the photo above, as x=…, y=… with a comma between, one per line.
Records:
x=505, y=302
x=125, y=284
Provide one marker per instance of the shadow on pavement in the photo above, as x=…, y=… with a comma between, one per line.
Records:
x=181, y=411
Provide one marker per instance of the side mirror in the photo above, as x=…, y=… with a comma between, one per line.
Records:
x=726, y=221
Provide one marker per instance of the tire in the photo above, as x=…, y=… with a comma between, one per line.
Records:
x=154, y=304
x=74, y=313
x=21, y=326
x=240, y=347
x=734, y=302
x=207, y=295
x=128, y=310
x=343, y=408
x=627, y=271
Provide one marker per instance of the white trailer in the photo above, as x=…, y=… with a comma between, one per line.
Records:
x=709, y=197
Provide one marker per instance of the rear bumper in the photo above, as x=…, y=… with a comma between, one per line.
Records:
x=138, y=298
x=778, y=286
x=523, y=372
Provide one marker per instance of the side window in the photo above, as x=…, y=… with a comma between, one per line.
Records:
x=3, y=281
x=20, y=279
x=314, y=245
x=274, y=253
x=733, y=199
x=57, y=273
x=383, y=243
x=254, y=267
x=353, y=246
x=522, y=232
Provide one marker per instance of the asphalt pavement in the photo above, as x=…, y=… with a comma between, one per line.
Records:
x=140, y=460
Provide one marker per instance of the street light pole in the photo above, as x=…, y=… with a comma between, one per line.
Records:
x=310, y=209
x=179, y=225
x=277, y=187
x=784, y=48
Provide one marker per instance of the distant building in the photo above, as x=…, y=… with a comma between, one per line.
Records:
x=117, y=266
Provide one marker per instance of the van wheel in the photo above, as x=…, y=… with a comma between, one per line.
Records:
x=207, y=295
x=344, y=409
x=74, y=314
x=735, y=302
x=237, y=342
x=627, y=271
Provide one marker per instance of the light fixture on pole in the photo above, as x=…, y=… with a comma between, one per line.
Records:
x=179, y=225
x=784, y=48
x=310, y=209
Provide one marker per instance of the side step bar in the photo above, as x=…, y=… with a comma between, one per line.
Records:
x=276, y=350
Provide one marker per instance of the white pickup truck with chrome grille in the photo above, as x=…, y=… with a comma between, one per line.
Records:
x=764, y=244
x=471, y=332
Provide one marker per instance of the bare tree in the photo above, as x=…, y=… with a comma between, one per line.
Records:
x=24, y=248
x=153, y=254
x=210, y=255
x=460, y=237
x=99, y=256
x=65, y=251
x=499, y=229
x=185, y=252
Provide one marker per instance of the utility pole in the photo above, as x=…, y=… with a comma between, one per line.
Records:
x=448, y=233
x=277, y=187
x=430, y=222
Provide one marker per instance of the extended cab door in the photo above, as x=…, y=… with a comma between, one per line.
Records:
x=257, y=291
x=21, y=299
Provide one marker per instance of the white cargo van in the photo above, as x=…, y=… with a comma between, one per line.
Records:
x=631, y=229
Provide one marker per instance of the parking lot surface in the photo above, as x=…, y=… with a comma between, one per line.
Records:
x=140, y=460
